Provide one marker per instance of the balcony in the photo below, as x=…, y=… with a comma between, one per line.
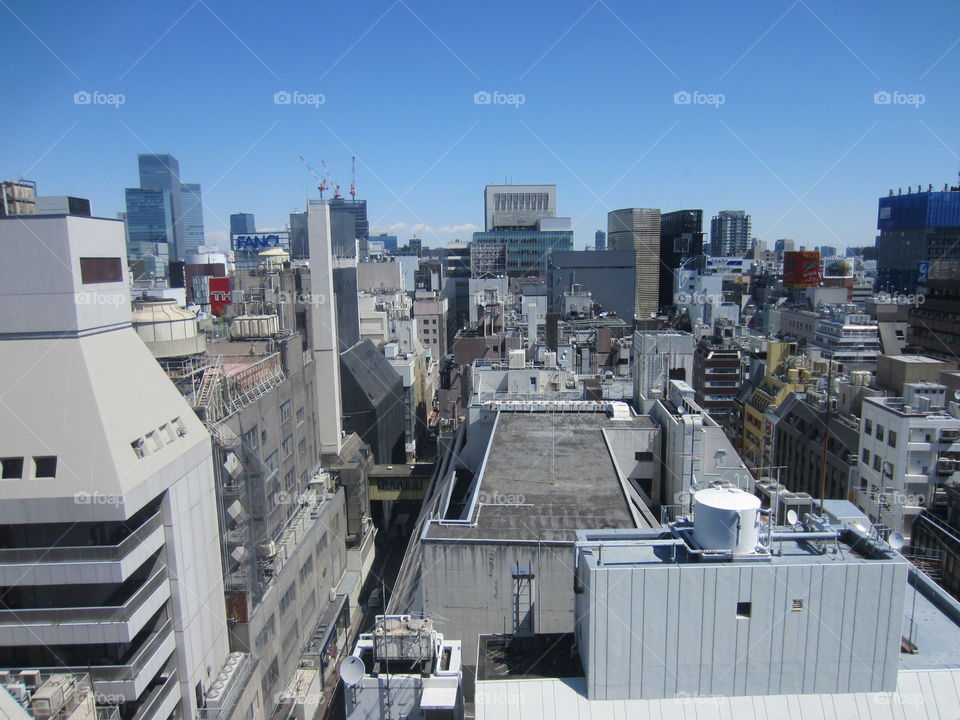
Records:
x=86, y=625
x=72, y=565
x=131, y=679
x=161, y=701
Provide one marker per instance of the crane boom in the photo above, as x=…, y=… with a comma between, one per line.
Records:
x=353, y=179
x=321, y=183
x=336, y=185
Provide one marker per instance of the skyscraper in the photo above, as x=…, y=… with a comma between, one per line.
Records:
x=149, y=220
x=638, y=229
x=162, y=172
x=193, y=235
x=599, y=240
x=730, y=234
x=242, y=223
x=681, y=238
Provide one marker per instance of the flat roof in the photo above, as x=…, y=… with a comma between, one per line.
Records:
x=547, y=475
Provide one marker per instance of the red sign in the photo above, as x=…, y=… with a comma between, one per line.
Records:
x=219, y=294
x=801, y=269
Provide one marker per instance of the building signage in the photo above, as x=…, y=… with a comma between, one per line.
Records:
x=219, y=294
x=260, y=241
x=801, y=269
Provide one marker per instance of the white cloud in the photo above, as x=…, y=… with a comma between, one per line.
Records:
x=454, y=229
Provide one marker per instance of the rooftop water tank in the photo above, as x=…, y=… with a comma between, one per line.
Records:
x=726, y=519
x=273, y=259
x=168, y=330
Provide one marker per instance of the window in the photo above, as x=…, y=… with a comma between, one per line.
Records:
x=271, y=461
x=250, y=438
x=892, y=439
x=879, y=434
x=868, y=426
x=100, y=270
x=285, y=411
x=641, y=456
x=45, y=467
x=287, y=446
x=797, y=606
x=299, y=416
x=287, y=600
x=866, y=456
x=302, y=446
x=12, y=468
x=876, y=463
x=288, y=480
x=743, y=610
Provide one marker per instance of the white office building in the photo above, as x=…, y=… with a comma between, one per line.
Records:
x=908, y=447
x=110, y=558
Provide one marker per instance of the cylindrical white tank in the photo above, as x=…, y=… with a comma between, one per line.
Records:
x=726, y=519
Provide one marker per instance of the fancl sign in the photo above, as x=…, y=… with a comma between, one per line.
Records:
x=256, y=242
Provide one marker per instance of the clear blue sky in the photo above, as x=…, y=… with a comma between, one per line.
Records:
x=398, y=79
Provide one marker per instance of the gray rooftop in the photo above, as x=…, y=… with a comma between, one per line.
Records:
x=547, y=475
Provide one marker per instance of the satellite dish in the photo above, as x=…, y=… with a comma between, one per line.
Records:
x=352, y=670
x=792, y=517
x=896, y=541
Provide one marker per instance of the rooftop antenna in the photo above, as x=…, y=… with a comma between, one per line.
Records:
x=896, y=541
x=353, y=179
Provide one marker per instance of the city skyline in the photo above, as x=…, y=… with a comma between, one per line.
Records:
x=748, y=122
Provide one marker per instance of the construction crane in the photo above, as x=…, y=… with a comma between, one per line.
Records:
x=321, y=183
x=336, y=185
x=353, y=179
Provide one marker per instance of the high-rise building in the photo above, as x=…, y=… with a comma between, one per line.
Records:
x=162, y=172
x=357, y=210
x=108, y=506
x=916, y=228
x=638, y=229
x=518, y=206
x=827, y=250
x=730, y=234
x=149, y=231
x=681, y=238
x=522, y=230
x=241, y=223
x=193, y=235
x=783, y=245
x=599, y=240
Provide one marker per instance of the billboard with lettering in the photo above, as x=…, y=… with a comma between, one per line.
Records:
x=801, y=269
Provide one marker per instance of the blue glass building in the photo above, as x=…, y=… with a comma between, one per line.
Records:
x=193, y=235
x=517, y=252
x=916, y=228
x=150, y=226
x=241, y=223
x=162, y=172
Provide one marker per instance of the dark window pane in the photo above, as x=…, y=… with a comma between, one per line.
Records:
x=101, y=270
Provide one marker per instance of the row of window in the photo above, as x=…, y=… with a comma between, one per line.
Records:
x=44, y=467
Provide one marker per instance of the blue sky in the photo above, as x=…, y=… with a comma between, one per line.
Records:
x=798, y=141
